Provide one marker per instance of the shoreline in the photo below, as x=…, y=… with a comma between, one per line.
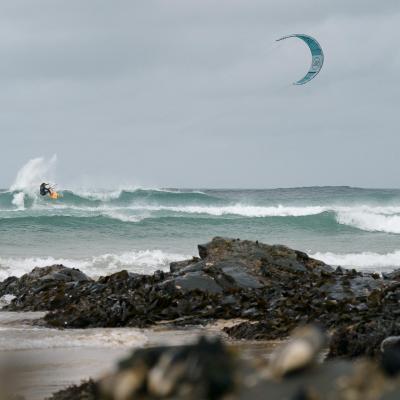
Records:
x=248, y=294
x=50, y=367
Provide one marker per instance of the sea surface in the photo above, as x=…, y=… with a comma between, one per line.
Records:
x=143, y=229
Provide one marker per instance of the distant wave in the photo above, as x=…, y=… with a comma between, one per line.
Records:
x=19, y=199
x=239, y=209
x=368, y=218
x=133, y=205
x=361, y=260
x=141, y=261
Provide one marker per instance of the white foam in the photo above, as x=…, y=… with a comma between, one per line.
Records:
x=123, y=217
x=364, y=260
x=6, y=299
x=107, y=194
x=371, y=220
x=33, y=173
x=24, y=337
x=121, y=212
x=19, y=200
x=365, y=217
x=102, y=195
x=239, y=209
x=141, y=261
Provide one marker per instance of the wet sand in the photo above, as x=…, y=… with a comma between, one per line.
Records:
x=43, y=360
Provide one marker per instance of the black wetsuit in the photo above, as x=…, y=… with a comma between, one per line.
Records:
x=44, y=189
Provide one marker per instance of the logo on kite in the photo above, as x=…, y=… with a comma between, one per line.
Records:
x=317, y=57
x=316, y=62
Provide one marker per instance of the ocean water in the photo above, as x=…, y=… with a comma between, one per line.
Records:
x=143, y=229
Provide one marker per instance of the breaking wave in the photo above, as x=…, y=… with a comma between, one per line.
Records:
x=144, y=204
x=141, y=261
x=364, y=260
x=362, y=209
x=372, y=221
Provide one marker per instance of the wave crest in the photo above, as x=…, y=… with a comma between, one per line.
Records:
x=371, y=221
x=33, y=173
x=141, y=261
x=364, y=260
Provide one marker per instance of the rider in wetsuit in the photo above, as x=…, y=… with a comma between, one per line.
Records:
x=45, y=189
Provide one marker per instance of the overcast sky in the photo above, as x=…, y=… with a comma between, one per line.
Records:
x=197, y=93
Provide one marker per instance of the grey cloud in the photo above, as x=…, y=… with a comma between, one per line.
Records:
x=197, y=93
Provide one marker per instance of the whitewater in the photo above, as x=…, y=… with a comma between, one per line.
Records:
x=143, y=229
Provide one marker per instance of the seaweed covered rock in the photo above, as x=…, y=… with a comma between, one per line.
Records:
x=273, y=288
x=43, y=288
x=85, y=391
x=41, y=278
x=260, y=259
x=370, y=324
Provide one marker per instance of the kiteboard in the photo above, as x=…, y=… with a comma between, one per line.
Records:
x=54, y=195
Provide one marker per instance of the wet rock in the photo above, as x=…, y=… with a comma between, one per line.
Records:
x=194, y=281
x=390, y=343
x=275, y=288
x=390, y=362
x=390, y=358
x=367, y=327
x=84, y=391
x=176, y=266
x=237, y=272
x=393, y=276
x=42, y=288
x=259, y=258
x=42, y=277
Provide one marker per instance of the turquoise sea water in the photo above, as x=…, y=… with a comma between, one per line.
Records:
x=144, y=229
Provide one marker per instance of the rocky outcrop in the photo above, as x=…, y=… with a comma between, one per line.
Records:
x=370, y=323
x=40, y=279
x=43, y=288
x=274, y=288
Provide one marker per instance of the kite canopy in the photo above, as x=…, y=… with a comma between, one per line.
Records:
x=317, y=57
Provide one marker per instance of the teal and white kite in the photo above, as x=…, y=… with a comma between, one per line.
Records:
x=317, y=57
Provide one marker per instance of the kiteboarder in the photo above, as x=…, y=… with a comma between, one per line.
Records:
x=45, y=189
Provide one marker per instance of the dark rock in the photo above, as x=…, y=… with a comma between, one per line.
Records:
x=390, y=362
x=194, y=267
x=274, y=287
x=194, y=281
x=178, y=265
x=85, y=391
x=393, y=276
x=237, y=272
x=390, y=343
x=43, y=288
x=260, y=258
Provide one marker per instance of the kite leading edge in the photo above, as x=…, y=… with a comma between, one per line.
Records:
x=316, y=53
